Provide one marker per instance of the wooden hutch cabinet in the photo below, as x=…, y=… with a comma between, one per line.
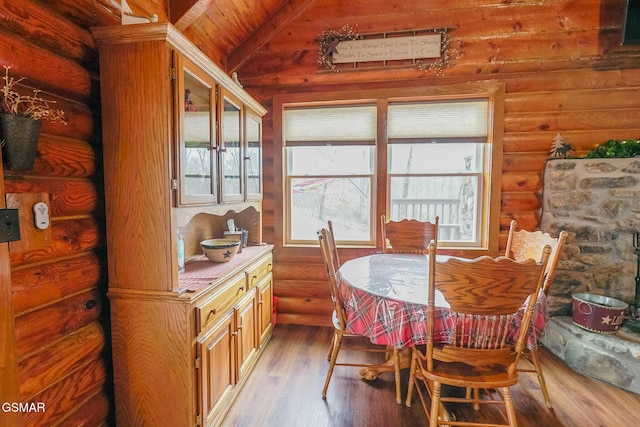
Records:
x=182, y=344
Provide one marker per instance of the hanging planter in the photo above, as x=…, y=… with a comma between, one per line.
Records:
x=19, y=141
x=20, y=121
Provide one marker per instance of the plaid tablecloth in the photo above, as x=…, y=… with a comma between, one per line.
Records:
x=385, y=297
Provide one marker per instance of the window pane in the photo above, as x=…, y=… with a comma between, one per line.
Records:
x=436, y=158
x=344, y=201
x=339, y=123
x=254, y=154
x=198, y=161
x=438, y=119
x=453, y=198
x=231, y=159
x=331, y=160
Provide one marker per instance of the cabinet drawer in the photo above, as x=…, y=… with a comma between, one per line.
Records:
x=259, y=270
x=212, y=308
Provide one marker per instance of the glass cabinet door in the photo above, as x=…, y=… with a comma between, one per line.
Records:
x=231, y=150
x=253, y=157
x=196, y=119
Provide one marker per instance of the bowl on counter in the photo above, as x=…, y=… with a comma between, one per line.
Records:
x=219, y=250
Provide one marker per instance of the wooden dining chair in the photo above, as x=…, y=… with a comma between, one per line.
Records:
x=339, y=322
x=484, y=295
x=524, y=244
x=333, y=248
x=332, y=245
x=408, y=235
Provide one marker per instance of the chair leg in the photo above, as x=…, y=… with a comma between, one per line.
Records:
x=412, y=377
x=511, y=410
x=337, y=341
x=396, y=364
x=435, y=404
x=535, y=356
x=333, y=342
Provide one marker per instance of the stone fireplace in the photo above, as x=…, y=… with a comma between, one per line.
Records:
x=597, y=201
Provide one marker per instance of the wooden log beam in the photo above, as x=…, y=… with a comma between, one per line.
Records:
x=55, y=321
x=523, y=143
x=60, y=359
x=183, y=13
x=302, y=289
x=43, y=284
x=287, y=13
x=69, y=197
x=521, y=181
x=63, y=396
x=520, y=202
x=88, y=12
x=44, y=69
x=305, y=319
x=305, y=305
x=69, y=237
x=92, y=412
x=48, y=30
x=64, y=157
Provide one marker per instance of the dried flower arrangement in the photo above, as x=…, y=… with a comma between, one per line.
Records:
x=445, y=60
x=329, y=40
x=33, y=106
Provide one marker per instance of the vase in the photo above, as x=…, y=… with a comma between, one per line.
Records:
x=19, y=141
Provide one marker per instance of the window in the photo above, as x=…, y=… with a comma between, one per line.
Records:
x=407, y=154
x=330, y=164
x=436, y=153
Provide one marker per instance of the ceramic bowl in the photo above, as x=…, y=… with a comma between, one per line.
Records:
x=219, y=250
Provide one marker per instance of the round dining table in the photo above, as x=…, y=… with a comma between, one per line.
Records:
x=385, y=299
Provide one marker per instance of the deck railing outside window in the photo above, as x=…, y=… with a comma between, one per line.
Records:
x=426, y=210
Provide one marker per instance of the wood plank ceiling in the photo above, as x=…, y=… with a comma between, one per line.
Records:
x=227, y=31
x=232, y=30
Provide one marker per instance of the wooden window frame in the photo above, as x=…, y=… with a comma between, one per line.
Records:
x=492, y=90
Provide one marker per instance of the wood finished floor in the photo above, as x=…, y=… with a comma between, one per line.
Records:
x=285, y=388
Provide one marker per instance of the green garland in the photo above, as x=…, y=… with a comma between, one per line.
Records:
x=615, y=148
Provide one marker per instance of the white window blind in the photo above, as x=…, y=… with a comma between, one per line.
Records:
x=444, y=119
x=336, y=125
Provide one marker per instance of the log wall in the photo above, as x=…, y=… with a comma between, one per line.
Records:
x=560, y=61
x=58, y=286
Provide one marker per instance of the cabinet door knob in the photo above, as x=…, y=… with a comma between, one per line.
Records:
x=211, y=312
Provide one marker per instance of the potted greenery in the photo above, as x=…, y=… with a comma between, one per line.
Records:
x=21, y=119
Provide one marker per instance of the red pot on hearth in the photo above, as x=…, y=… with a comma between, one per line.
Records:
x=598, y=313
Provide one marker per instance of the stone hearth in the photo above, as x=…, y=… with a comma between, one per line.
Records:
x=614, y=358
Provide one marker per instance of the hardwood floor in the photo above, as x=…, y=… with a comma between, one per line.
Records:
x=285, y=388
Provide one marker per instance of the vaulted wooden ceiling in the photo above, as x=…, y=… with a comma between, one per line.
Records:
x=239, y=28
x=228, y=31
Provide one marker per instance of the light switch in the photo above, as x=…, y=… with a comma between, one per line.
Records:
x=41, y=215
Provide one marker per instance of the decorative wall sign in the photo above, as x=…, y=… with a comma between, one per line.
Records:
x=427, y=46
x=424, y=49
